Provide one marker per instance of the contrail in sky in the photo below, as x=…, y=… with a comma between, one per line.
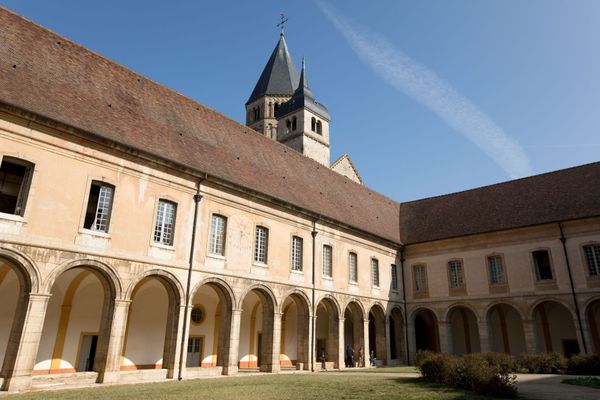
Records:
x=423, y=85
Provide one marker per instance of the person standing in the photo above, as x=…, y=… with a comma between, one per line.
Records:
x=360, y=357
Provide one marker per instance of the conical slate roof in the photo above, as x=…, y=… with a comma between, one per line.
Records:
x=279, y=77
x=303, y=98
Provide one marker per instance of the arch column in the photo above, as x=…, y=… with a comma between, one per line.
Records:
x=23, y=344
x=528, y=330
x=484, y=339
x=367, y=355
x=175, y=330
x=273, y=358
x=412, y=343
x=230, y=366
x=444, y=337
x=341, y=350
x=388, y=344
x=116, y=338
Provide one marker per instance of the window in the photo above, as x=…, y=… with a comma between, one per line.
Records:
x=288, y=125
x=352, y=265
x=327, y=261
x=420, y=278
x=276, y=108
x=394, y=276
x=97, y=215
x=218, y=229
x=496, y=270
x=319, y=129
x=164, y=230
x=261, y=244
x=455, y=274
x=541, y=261
x=296, y=253
x=294, y=124
x=313, y=124
x=15, y=179
x=375, y=272
x=592, y=257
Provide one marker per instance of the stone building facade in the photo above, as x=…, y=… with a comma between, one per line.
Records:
x=122, y=202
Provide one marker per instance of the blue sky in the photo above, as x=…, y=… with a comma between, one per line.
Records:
x=427, y=97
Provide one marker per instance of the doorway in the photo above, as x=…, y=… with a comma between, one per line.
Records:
x=194, y=351
x=87, y=353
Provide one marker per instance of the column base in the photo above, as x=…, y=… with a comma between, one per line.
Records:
x=231, y=370
x=16, y=384
x=109, y=377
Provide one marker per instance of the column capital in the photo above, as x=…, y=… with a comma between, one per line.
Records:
x=39, y=296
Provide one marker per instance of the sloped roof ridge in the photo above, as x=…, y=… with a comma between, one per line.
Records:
x=500, y=184
x=345, y=156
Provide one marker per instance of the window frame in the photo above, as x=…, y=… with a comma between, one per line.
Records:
x=211, y=243
x=394, y=277
x=25, y=190
x=537, y=280
x=504, y=281
x=292, y=252
x=463, y=286
x=425, y=290
x=101, y=184
x=350, y=253
x=155, y=225
x=256, y=245
x=323, y=274
x=375, y=283
x=585, y=261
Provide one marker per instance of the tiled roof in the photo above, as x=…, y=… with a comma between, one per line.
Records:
x=48, y=75
x=563, y=195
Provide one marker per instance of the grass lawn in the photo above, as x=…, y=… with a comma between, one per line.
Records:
x=588, y=382
x=398, y=370
x=269, y=387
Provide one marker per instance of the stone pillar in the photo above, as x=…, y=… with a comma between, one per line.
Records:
x=230, y=366
x=24, y=341
x=484, y=339
x=116, y=338
x=341, y=349
x=444, y=337
x=528, y=330
x=309, y=340
x=367, y=354
x=273, y=358
x=176, y=347
x=388, y=349
x=412, y=343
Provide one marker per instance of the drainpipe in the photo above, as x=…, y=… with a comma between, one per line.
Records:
x=197, y=198
x=563, y=240
x=404, y=299
x=314, y=311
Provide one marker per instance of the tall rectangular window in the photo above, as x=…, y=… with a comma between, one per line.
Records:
x=164, y=230
x=420, y=278
x=541, y=261
x=353, y=266
x=261, y=244
x=218, y=229
x=296, y=253
x=15, y=179
x=394, y=276
x=327, y=261
x=496, y=270
x=99, y=206
x=592, y=258
x=375, y=272
x=455, y=274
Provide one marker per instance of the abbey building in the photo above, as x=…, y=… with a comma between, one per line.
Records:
x=144, y=236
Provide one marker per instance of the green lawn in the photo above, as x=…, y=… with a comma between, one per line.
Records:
x=269, y=387
x=588, y=382
x=398, y=370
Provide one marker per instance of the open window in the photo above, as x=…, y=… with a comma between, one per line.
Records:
x=15, y=180
x=99, y=206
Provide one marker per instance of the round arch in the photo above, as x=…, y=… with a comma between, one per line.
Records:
x=218, y=283
x=503, y=302
x=29, y=272
x=299, y=294
x=454, y=306
x=166, y=278
x=329, y=299
x=266, y=292
x=532, y=308
x=107, y=272
x=358, y=303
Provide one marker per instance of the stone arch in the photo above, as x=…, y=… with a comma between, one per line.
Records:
x=592, y=316
x=151, y=321
x=554, y=324
x=377, y=332
x=332, y=300
x=358, y=303
x=260, y=288
x=108, y=272
x=221, y=285
x=396, y=323
x=295, y=323
x=258, y=305
x=463, y=329
x=28, y=271
x=550, y=299
x=486, y=310
x=426, y=329
x=461, y=304
x=327, y=313
x=505, y=327
x=354, y=331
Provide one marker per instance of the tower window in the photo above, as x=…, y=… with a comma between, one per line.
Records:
x=294, y=124
x=99, y=206
x=375, y=272
x=592, y=257
x=319, y=128
x=164, y=229
x=296, y=253
x=218, y=230
x=313, y=124
x=261, y=245
x=352, y=265
x=543, y=269
x=327, y=261
x=15, y=179
x=276, y=108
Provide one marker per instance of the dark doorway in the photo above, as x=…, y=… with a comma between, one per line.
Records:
x=87, y=353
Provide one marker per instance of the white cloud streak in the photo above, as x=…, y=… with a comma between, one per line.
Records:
x=423, y=85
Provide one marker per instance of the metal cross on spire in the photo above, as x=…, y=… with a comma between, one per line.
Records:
x=282, y=23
